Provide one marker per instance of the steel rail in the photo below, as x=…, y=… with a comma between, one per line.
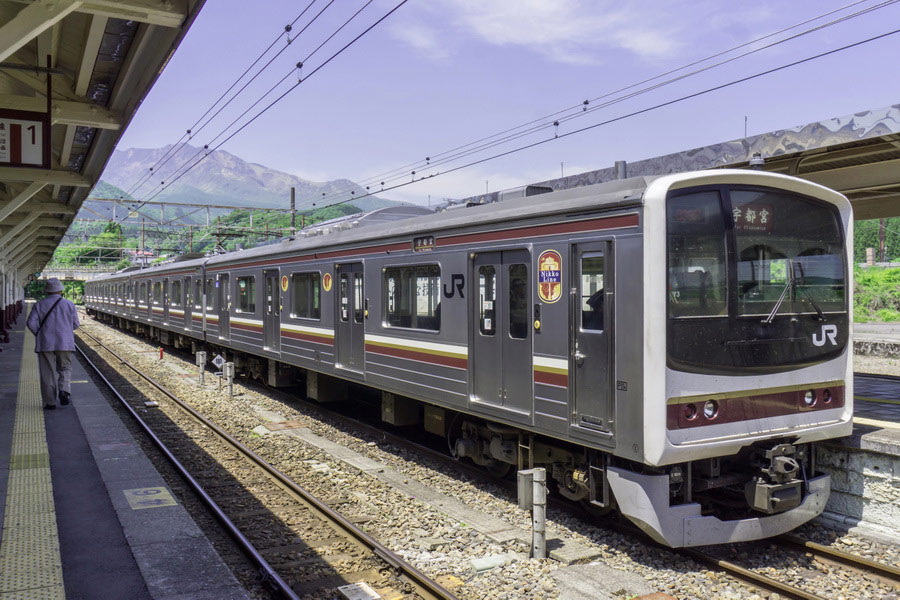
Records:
x=878, y=376
x=889, y=572
x=427, y=586
x=268, y=573
x=751, y=577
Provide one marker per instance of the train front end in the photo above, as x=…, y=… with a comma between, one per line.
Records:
x=749, y=282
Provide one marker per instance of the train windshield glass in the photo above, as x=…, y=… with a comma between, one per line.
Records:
x=789, y=249
x=755, y=275
x=696, y=256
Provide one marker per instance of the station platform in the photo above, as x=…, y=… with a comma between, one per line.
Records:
x=84, y=512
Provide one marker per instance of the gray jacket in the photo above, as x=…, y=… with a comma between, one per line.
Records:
x=58, y=330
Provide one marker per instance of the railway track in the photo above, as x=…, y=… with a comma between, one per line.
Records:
x=315, y=549
x=889, y=575
x=886, y=573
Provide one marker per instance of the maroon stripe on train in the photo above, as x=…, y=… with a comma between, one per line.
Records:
x=306, y=337
x=166, y=274
x=245, y=327
x=541, y=230
x=748, y=408
x=385, y=248
x=555, y=379
x=436, y=359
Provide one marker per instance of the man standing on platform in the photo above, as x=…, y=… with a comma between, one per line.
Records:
x=53, y=321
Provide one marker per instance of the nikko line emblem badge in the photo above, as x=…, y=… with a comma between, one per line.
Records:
x=550, y=276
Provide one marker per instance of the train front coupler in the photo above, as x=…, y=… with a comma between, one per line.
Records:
x=777, y=485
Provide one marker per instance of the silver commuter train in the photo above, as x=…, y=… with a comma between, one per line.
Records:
x=672, y=347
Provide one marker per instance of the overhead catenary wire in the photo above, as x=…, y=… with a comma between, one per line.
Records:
x=282, y=96
x=269, y=91
x=192, y=130
x=628, y=115
x=437, y=159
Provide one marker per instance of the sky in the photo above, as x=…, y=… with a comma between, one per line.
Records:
x=436, y=75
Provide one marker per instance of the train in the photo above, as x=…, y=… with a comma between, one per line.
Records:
x=670, y=347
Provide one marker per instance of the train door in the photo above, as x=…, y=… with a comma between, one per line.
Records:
x=186, y=302
x=272, y=312
x=350, y=322
x=591, y=311
x=165, y=300
x=501, y=348
x=224, y=301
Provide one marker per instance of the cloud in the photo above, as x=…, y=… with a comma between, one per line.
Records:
x=422, y=38
x=566, y=31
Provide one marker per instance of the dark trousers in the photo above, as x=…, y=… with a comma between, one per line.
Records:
x=56, y=374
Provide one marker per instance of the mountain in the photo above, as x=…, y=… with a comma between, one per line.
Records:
x=225, y=179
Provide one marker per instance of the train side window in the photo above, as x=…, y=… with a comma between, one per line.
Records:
x=176, y=294
x=157, y=292
x=412, y=297
x=142, y=295
x=246, y=294
x=198, y=293
x=307, y=296
x=518, y=301
x=345, y=297
x=487, y=286
x=210, y=294
x=592, y=291
x=358, y=297
x=398, y=296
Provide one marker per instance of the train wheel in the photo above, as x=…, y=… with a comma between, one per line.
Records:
x=498, y=468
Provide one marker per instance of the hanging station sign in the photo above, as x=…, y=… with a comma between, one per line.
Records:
x=23, y=139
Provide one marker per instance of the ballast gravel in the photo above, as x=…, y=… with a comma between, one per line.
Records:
x=448, y=550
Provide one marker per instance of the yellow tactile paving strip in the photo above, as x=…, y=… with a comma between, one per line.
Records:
x=30, y=566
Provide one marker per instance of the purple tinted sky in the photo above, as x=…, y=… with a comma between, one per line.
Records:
x=441, y=73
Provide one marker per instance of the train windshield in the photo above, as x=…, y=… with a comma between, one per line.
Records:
x=753, y=275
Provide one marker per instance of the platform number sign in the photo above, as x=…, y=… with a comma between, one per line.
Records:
x=22, y=139
x=218, y=361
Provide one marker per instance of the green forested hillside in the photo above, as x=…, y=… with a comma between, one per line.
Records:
x=111, y=243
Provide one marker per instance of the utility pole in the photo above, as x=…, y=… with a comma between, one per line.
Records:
x=293, y=211
x=191, y=238
x=882, y=253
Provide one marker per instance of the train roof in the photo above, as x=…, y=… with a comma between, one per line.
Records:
x=401, y=221
x=604, y=195
x=410, y=221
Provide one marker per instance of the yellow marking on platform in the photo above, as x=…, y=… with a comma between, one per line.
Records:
x=152, y=497
x=80, y=381
x=876, y=423
x=30, y=565
x=880, y=400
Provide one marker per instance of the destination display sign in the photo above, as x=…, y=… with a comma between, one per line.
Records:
x=753, y=217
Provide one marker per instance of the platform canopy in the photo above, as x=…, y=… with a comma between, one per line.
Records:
x=857, y=155
x=102, y=56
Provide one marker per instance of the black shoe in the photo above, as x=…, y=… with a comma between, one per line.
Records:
x=64, y=398
x=49, y=407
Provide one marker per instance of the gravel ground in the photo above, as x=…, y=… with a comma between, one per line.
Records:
x=876, y=365
x=442, y=546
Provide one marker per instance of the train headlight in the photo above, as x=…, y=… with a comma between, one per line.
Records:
x=710, y=409
x=690, y=412
x=809, y=398
x=826, y=396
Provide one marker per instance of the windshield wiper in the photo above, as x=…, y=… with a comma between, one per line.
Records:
x=819, y=312
x=789, y=284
